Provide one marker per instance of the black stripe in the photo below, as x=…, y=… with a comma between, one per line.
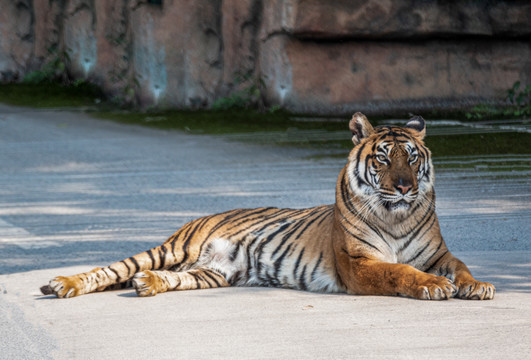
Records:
x=297, y=226
x=319, y=215
x=199, y=274
x=135, y=263
x=193, y=227
x=297, y=263
x=329, y=210
x=436, y=261
x=280, y=259
x=413, y=236
x=229, y=217
x=287, y=236
x=271, y=236
x=245, y=220
x=358, y=155
x=419, y=252
x=347, y=220
x=199, y=225
x=367, y=174
x=187, y=232
x=271, y=280
x=128, y=268
x=118, y=278
x=345, y=189
x=421, y=202
x=196, y=279
x=356, y=213
x=302, y=280
x=212, y=277
x=175, y=237
x=360, y=239
x=265, y=221
x=163, y=252
x=189, y=236
x=150, y=254
x=234, y=253
x=353, y=256
x=236, y=278
x=351, y=208
x=263, y=243
x=248, y=251
x=446, y=270
x=312, y=277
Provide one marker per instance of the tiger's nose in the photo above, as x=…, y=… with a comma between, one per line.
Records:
x=404, y=188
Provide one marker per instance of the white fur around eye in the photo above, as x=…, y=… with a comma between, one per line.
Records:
x=382, y=159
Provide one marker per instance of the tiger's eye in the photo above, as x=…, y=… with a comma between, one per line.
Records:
x=381, y=158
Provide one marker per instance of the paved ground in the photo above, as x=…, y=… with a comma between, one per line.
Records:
x=77, y=193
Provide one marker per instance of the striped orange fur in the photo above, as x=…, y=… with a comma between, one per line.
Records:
x=381, y=236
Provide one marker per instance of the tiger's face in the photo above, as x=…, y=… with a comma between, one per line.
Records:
x=389, y=168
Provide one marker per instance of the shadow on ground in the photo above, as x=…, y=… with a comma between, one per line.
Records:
x=97, y=253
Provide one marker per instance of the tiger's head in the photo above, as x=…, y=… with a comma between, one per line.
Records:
x=389, y=168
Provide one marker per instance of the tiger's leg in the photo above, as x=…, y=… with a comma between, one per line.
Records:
x=468, y=287
x=400, y=279
x=99, y=279
x=149, y=283
x=364, y=276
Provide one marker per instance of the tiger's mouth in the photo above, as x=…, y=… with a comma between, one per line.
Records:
x=400, y=205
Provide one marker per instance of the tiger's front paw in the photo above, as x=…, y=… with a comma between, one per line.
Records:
x=436, y=288
x=147, y=283
x=475, y=290
x=63, y=287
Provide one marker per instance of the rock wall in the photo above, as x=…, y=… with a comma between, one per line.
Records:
x=309, y=55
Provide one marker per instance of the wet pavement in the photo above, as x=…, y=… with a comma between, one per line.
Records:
x=76, y=192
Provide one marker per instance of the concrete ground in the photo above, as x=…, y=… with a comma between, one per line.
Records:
x=76, y=193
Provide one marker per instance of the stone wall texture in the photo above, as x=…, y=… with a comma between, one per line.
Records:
x=311, y=56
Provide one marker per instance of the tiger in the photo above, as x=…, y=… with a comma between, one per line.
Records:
x=380, y=237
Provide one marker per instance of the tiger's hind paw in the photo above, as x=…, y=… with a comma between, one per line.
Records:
x=63, y=287
x=147, y=283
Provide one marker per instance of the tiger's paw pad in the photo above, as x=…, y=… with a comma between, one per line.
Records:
x=46, y=290
x=437, y=288
x=63, y=287
x=476, y=290
x=146, y=283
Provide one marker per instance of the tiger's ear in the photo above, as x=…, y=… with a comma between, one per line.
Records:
x=418, y=124
x=360, y=127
